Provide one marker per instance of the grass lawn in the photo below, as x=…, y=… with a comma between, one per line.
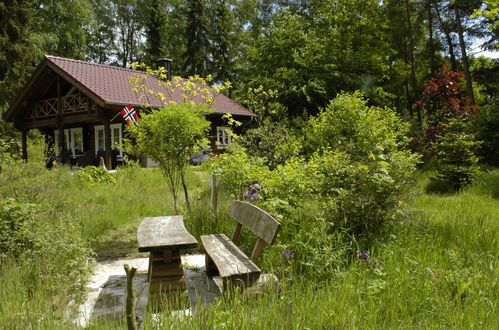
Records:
x=439, y=268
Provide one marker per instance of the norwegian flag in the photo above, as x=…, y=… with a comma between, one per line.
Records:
x=130, y=115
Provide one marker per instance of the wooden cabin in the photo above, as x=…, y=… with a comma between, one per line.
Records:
x=76, y=105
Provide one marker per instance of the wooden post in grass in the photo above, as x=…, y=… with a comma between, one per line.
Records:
x=131, y=318
x=214, y=194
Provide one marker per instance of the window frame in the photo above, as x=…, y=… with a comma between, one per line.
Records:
x=226, y=137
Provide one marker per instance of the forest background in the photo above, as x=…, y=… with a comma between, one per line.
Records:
x=307, y=50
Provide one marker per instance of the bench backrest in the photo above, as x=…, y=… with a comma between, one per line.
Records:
x=262, y=224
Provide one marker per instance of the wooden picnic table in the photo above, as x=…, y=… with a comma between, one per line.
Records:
x=164, y=238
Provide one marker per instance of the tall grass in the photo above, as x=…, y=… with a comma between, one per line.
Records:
x=439, y=268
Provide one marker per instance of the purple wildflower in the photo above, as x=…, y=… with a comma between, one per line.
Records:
x=260, y=143
x=256, y=186
x=255, y=196
x=287, y=254
x=375, y=264
x=247, y=194
x=363, y=256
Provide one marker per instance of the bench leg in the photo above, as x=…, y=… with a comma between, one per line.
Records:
x=211, y=268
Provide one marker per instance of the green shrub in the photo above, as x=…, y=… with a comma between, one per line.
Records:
x=348, y=125
x=363, y=168
x=92, y=174
x=275, y=142
x=456, y=157
x=16, y=227
x=236, y=171
x=486, y=124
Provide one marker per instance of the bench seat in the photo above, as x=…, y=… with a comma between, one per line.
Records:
x=232, y=264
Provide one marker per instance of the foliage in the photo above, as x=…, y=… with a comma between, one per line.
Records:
x=92, y=174
x=364, y=132
x=456, y=157
x=237, y=171
x=362, y=167
x=276, y=142
x=170, y=136
x=4, y=154
x=264, y=103
x=441, y=101
x=491, y=13
x=486, y=124
x=16, y=227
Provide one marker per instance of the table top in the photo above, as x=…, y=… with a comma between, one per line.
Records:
x=164, y=233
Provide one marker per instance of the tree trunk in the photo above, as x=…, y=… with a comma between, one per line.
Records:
x=433, y=62
x=131, y=318
x=448, y=38
x=414, y=84
x=469, y=85
x=186, y=192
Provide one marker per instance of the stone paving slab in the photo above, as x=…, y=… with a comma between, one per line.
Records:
x=107, y=286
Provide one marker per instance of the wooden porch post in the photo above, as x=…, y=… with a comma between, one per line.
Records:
x=24, y=144
x=107, y=144
x=59, y=119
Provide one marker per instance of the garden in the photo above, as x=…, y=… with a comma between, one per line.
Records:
x=368, y=129
x=366, y=241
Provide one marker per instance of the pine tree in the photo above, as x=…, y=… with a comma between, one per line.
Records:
x=197, y=48
x=155, y=21
x=223, y=41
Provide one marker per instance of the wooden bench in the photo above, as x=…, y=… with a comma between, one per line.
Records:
x=225, y=259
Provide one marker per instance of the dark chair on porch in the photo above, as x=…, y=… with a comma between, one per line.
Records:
x=86, y=159
x=66, y=158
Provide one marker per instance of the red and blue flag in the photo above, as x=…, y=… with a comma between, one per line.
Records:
x=130, y=115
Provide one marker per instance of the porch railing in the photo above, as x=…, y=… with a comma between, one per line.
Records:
x=71, y=104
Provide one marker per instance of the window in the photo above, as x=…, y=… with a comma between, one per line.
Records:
x=116, y=139
x=73, y=140
x=223, y=137
x=99, y=139
x=76, y=140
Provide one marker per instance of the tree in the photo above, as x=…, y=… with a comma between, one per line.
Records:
x=130, y=31
x=223, y=41
x=155, y=20
x=101, y=46
x=197, y=48
x=20, y=49
x=440, y=102
x=170, y=136
x=65, y=26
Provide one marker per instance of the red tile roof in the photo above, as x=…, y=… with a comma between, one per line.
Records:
x=111, y=85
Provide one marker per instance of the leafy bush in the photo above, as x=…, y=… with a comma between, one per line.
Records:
x=273, y=141
x=237, y=171
x=92, y=174
x=456, y=157
x=349, y=125
x=28, y=236
x=363, y=168
x=486, y=124
x=352, y=182
x=16, y=227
